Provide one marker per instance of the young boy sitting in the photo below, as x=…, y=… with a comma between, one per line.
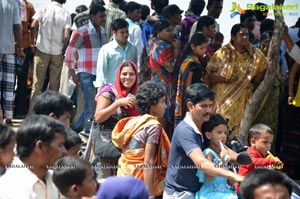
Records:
x=75, y=178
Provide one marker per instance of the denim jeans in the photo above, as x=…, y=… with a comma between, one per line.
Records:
x=89, y=92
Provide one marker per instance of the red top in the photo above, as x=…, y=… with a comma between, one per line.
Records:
x=258, y=161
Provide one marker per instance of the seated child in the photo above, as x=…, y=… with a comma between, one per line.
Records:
x=260, y=140
x=75, y=178
x=215, y=186
x=72, y=144
x=7, y=145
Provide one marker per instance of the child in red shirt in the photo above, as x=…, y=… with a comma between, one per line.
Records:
x=260, y=139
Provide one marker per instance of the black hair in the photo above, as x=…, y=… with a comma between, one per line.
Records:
x=256, y=130
x=72, y=139
x=297, y=24
x=214, y=120
x=197, y=6
x=205, y=21
x=158, y=5
x=261, y=177
x=236, y=28
x=148, y=94
x=160, y=25
x=80, y=8
x=198, y=92
x=123, y=6
x=96, y=8
x=261, y=15
x=94, y=2
x=117, y=1
x=211, y=2
x=34, y=128
x=248, y=14
x=266, y=25
x=52, y=102
x=7, y=134
x=119, y=24
x=197, y=39
x=69, y=171
x=132, y=6
x=218, y=35
x=145, y=12
x=60, y=1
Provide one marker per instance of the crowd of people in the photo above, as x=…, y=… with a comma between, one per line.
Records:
x=161, y=86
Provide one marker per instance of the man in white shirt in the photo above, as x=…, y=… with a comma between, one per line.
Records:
x=133, y=12
x=40, y=142
x=50, y=33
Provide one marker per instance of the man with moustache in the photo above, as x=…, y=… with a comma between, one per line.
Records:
x=186, y=154
x=40, y=143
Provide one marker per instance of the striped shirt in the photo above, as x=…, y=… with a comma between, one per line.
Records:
x=87, y=42
x=112, y=12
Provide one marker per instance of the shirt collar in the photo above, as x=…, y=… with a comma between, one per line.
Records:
x=30, y=177
x=115, y=44
x=91, y=27
x=187, y=119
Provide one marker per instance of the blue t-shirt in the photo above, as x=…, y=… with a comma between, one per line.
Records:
x=147, y=29
x=181, y=172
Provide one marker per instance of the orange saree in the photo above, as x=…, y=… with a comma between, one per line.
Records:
x=131, y=162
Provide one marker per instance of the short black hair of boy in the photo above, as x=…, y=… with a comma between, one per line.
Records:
x=34, y=128
x=131, y=6
x=198, y=92
x=72, y=139
x=158, y=5
x=205, y=21
x=69, y=171
x=246, y=15
x=6, y=135
x=260, y=177
x=145, y=12
x=148, y=94
x=197, y=6
x=119, y=24
x=258, y=129
x=96, y=8
x=52, y=102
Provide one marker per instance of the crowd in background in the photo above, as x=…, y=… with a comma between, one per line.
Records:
x=139, y=71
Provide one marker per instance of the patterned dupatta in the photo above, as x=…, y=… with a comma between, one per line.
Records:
x=132, y=160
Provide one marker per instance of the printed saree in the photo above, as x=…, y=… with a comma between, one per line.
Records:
x=231, y=98
x=188, y=65
x=131, y=161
